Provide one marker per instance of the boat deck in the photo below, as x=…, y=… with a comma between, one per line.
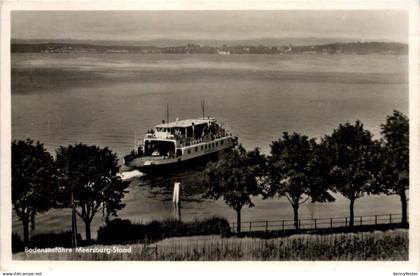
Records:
x=186, y=123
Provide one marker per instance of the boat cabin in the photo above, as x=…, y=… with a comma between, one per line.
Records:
x=164, y=140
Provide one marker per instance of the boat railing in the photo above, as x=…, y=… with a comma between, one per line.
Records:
x=208, y=138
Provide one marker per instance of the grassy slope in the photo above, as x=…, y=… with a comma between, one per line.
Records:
x=389, y=245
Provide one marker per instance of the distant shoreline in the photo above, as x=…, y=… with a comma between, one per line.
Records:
x=356, y=48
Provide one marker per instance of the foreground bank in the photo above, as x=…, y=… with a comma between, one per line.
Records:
x=388, y=245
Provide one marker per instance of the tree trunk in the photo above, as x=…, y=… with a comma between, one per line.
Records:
x=351, y=223
x=107, y=218
x=87, y=227
x=296, y=215
x=238, y=220
x=403, y=199
x=25, y=223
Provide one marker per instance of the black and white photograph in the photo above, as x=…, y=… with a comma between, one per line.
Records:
x=210, y=135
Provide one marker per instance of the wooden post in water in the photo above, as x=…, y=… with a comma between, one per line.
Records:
x=176, y=200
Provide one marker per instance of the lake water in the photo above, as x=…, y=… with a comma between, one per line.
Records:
x=104, y=99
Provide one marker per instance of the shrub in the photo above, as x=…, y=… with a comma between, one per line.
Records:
x=115, y=231
x=17, y=244
x=123, y=231
x=211, y=226
x=49, y=240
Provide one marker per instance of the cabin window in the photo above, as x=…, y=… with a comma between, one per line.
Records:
x=212, y=145
x=202, y=147
x=221, y=142
x=188, y=151
x=196, y=149
x=217, y=143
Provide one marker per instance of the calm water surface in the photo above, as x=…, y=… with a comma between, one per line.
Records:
x=104, y=99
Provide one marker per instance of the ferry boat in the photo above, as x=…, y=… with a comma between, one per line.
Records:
x=173, y=144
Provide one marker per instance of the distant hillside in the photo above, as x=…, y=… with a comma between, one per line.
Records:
x=355, y=48
x=191, y=48
x=161, y=42
x=70, y=47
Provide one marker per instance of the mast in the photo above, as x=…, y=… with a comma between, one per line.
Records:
x=167, y=113
x=135, y=141
x=203, y=105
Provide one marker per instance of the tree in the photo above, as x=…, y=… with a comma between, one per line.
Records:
x=296, y=170
x=234, y=177
x=88, y=174
x=32, y=175
x=394, y=175
x=354, y=161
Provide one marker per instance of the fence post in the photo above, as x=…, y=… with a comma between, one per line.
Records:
x=233, y=227
x=315, y=223
x=331, y=222
x=390, y=218
x=376, y=219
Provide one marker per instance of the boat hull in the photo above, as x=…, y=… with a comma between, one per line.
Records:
x=175, y=164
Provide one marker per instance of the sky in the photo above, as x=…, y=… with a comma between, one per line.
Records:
x=370, y=25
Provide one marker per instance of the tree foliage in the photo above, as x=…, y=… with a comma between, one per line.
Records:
x=394, y=175
x=354, y=159
x=32, y=181
x=296, y=170
x=89, y=174
x=234, y=178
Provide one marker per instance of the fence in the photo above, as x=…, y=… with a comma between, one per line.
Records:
x=316, y=223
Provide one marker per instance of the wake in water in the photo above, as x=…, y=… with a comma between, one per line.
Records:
x=130, y=174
